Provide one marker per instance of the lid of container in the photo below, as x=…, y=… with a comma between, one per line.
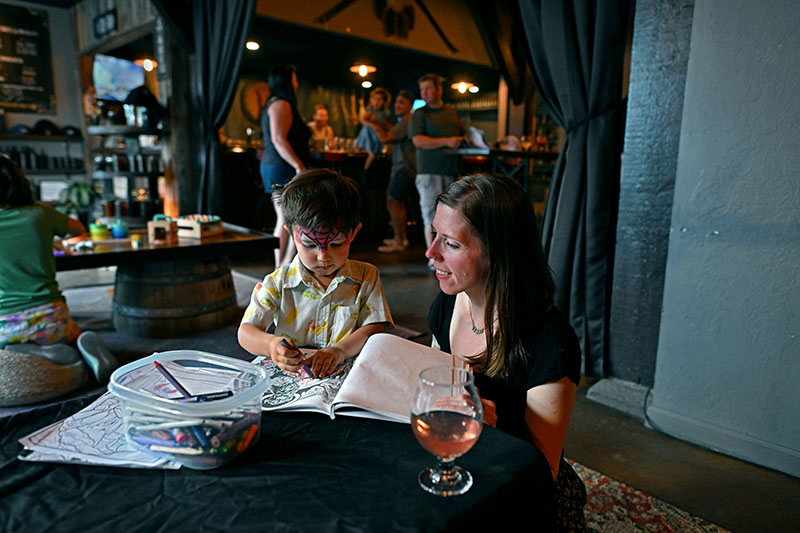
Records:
x=248, y=382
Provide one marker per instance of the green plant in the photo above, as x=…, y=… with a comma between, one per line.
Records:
x=76, y=196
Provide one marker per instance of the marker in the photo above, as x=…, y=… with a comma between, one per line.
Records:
x=210, y=397
x=174, y=382
x=302, y=361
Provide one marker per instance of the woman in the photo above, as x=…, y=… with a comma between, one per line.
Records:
x=285, y=148
x=496, y=310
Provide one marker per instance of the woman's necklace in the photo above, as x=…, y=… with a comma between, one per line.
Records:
x=475, y=330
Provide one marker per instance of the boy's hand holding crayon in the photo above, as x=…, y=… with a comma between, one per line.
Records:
x=287, y=356
x=290, y=359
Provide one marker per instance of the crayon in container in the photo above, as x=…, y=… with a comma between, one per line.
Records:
x=196, y=434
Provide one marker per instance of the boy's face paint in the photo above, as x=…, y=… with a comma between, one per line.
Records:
x=322, y=237
x=323, y=251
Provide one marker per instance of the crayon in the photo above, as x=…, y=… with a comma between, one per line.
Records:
x=177, y=449
x=248, y=437
x=199, y=435
x=302, y=361
x=174, y=382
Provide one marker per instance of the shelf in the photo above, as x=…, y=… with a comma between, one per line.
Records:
x=52, y=138
x=123, y=151
x=108, y=174
x=121, y=129
x=51, y=171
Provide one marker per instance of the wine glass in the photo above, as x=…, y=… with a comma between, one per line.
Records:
x=446, y=419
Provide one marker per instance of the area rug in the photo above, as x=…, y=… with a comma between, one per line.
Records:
x=613, y=506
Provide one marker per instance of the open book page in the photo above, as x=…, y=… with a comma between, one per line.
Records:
x=384, y=377
x=291, y=393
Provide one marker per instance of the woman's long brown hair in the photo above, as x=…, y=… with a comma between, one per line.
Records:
x=519, y=286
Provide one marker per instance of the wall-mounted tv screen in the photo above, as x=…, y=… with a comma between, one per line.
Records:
x=114, y=78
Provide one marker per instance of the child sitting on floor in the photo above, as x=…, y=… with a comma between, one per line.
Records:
x=322, y=298
x=32, y=308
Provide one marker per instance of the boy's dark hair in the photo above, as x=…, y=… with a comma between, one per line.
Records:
x=321, y=198
x=15, y=189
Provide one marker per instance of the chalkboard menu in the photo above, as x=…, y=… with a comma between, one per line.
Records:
x=26, y=70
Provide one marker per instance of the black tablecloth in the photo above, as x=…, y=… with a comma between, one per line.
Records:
x=306, y=472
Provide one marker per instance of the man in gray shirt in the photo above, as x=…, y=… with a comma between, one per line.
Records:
x=433, y=128
x=404, y=169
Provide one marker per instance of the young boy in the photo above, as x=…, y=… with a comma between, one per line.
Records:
x=320, y=299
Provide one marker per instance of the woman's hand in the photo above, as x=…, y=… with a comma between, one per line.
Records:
x=325, y=361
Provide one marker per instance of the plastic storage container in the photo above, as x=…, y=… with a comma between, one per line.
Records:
x=195, y=432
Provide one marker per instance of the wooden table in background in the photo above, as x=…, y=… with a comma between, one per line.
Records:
x=171, y=290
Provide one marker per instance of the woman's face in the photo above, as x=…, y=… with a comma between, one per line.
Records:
x=459, y=258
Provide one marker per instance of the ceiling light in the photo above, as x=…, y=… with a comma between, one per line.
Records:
x=252, y=45
x=463, y=86
x=366, y=84
x=147, y=64
x=474, y=89
x=363, y=70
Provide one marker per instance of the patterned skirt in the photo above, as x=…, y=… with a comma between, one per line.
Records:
x=43, y=324
x=570, y=499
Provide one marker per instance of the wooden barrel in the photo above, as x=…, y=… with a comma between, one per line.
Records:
x=174, y=298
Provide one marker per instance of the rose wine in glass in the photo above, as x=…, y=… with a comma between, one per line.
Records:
x=446, y=419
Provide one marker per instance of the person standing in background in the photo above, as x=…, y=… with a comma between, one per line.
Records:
x=321, y=131
x=433, y=128
x=404, y=169
x=286, y=150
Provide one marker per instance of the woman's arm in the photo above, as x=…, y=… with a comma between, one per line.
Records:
x=280, y=121
x=547, y=413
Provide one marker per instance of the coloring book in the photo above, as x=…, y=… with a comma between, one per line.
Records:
x=379, y=383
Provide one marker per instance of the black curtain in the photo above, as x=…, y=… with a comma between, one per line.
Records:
x=577, y=50
x=219, y=34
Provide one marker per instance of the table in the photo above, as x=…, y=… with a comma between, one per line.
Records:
x=306, y=473
x=172, y=290
x=235, y=240
x=519, y=170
